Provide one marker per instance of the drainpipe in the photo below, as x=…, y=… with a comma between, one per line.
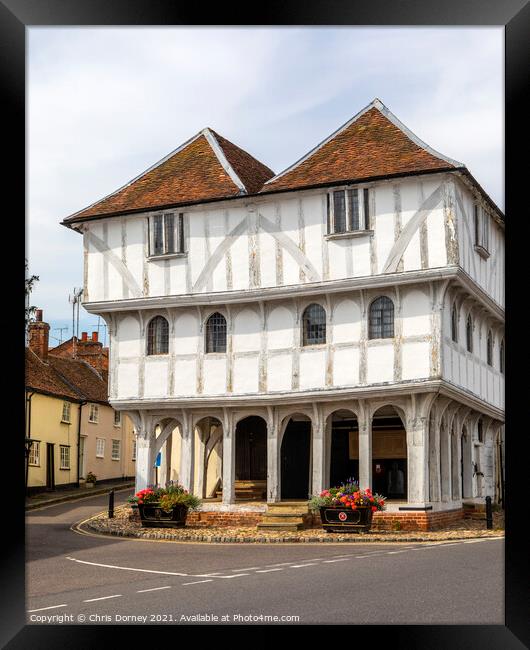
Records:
x=79, y=440
x=28, y=433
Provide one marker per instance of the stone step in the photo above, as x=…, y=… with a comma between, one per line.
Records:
x=284, y=526
x=276, y=519
x=287, y=508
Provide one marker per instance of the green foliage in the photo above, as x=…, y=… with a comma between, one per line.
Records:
x=30, y=281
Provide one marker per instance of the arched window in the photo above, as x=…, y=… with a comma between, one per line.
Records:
x=501, y=356
x=489, y=349
x=158, y=336
x=381, y=319
x=216, y=333
x=454, y=323
x=314, y=325
x=469, y=334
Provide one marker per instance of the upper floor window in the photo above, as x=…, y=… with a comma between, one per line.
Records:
x=93, y=414
x=489, y=349
x=482, y=228
x=454, y=323
x=166, y=234
x=501, y=356
x=381, y=319
x=469, y=334
x=348, y=210
x=158, y=336
x=314, y=325
x=117, y=418
x=66, y=412
x=216, y=333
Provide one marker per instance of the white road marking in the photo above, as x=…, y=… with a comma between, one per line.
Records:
x=343, y=559
x=249, y=568
x=395, y=552
x=268, y=570
x=237, y=575
x=91, y=600
x=143, y=591
x=41, y=609
x=279, y=564
x=299, y=566
x=127, y=568
x=198, y=582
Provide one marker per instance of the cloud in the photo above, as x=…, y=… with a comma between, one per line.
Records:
x=106, y=103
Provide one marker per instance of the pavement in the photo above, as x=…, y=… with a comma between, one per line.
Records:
x=60, y=496
x=81, y=578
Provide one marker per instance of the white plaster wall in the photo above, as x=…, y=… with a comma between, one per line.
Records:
x=380, y=362
x=294, y=235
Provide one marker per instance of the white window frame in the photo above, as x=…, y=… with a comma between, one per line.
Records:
x=179, y=237
x=364, y=219
x=34, y=453
x=67, y=419
x=118, y=422
x=93, y=414
x=64, y=457
x=114, y=456
x=100, y=447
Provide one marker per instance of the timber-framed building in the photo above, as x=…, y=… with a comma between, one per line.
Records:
x=272, y=335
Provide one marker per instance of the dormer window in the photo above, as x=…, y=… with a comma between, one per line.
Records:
x=481, y=222
x=166, y=234
x=348, y=210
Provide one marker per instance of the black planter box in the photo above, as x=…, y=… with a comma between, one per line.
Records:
x=152, y=516
x=346, y=520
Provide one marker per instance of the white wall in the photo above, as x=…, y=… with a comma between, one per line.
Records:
x=266, y=343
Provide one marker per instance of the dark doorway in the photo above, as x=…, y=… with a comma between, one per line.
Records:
x=50, y=466
x=295, y=459
x=389, y=454
x=344, y=457
x=251, y=449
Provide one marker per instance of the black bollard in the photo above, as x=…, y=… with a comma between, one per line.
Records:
x=111, y=504
x=489, y=514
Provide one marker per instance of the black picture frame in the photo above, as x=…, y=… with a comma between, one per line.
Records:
x=16, y=15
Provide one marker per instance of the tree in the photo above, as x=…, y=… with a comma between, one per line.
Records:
x=30, y=281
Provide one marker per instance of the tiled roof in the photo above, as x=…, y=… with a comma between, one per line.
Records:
x=372, y=144
x=65, y=378
x=206, y=167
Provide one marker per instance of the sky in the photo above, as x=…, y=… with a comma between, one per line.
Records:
x=104, y=104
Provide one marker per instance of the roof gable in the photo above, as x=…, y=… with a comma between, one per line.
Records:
x=373, y=144
x=205, y=167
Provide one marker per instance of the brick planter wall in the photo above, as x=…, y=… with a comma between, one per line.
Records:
x=419, y=520
x=388, y=521
x=206, y=519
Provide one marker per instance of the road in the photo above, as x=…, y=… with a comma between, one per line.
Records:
x=74, y=578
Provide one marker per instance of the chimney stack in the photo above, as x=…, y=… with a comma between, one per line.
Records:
x=84, y=336
x=38, y=336
x=95, y=336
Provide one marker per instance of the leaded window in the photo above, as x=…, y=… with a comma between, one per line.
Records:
x=381, y=319
x=454, y=323
x=489, y=349
x=158, y=336
x=469, y=334
x=348, y=210
x=166, y=234
x=216, y=333
x=314, y=325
